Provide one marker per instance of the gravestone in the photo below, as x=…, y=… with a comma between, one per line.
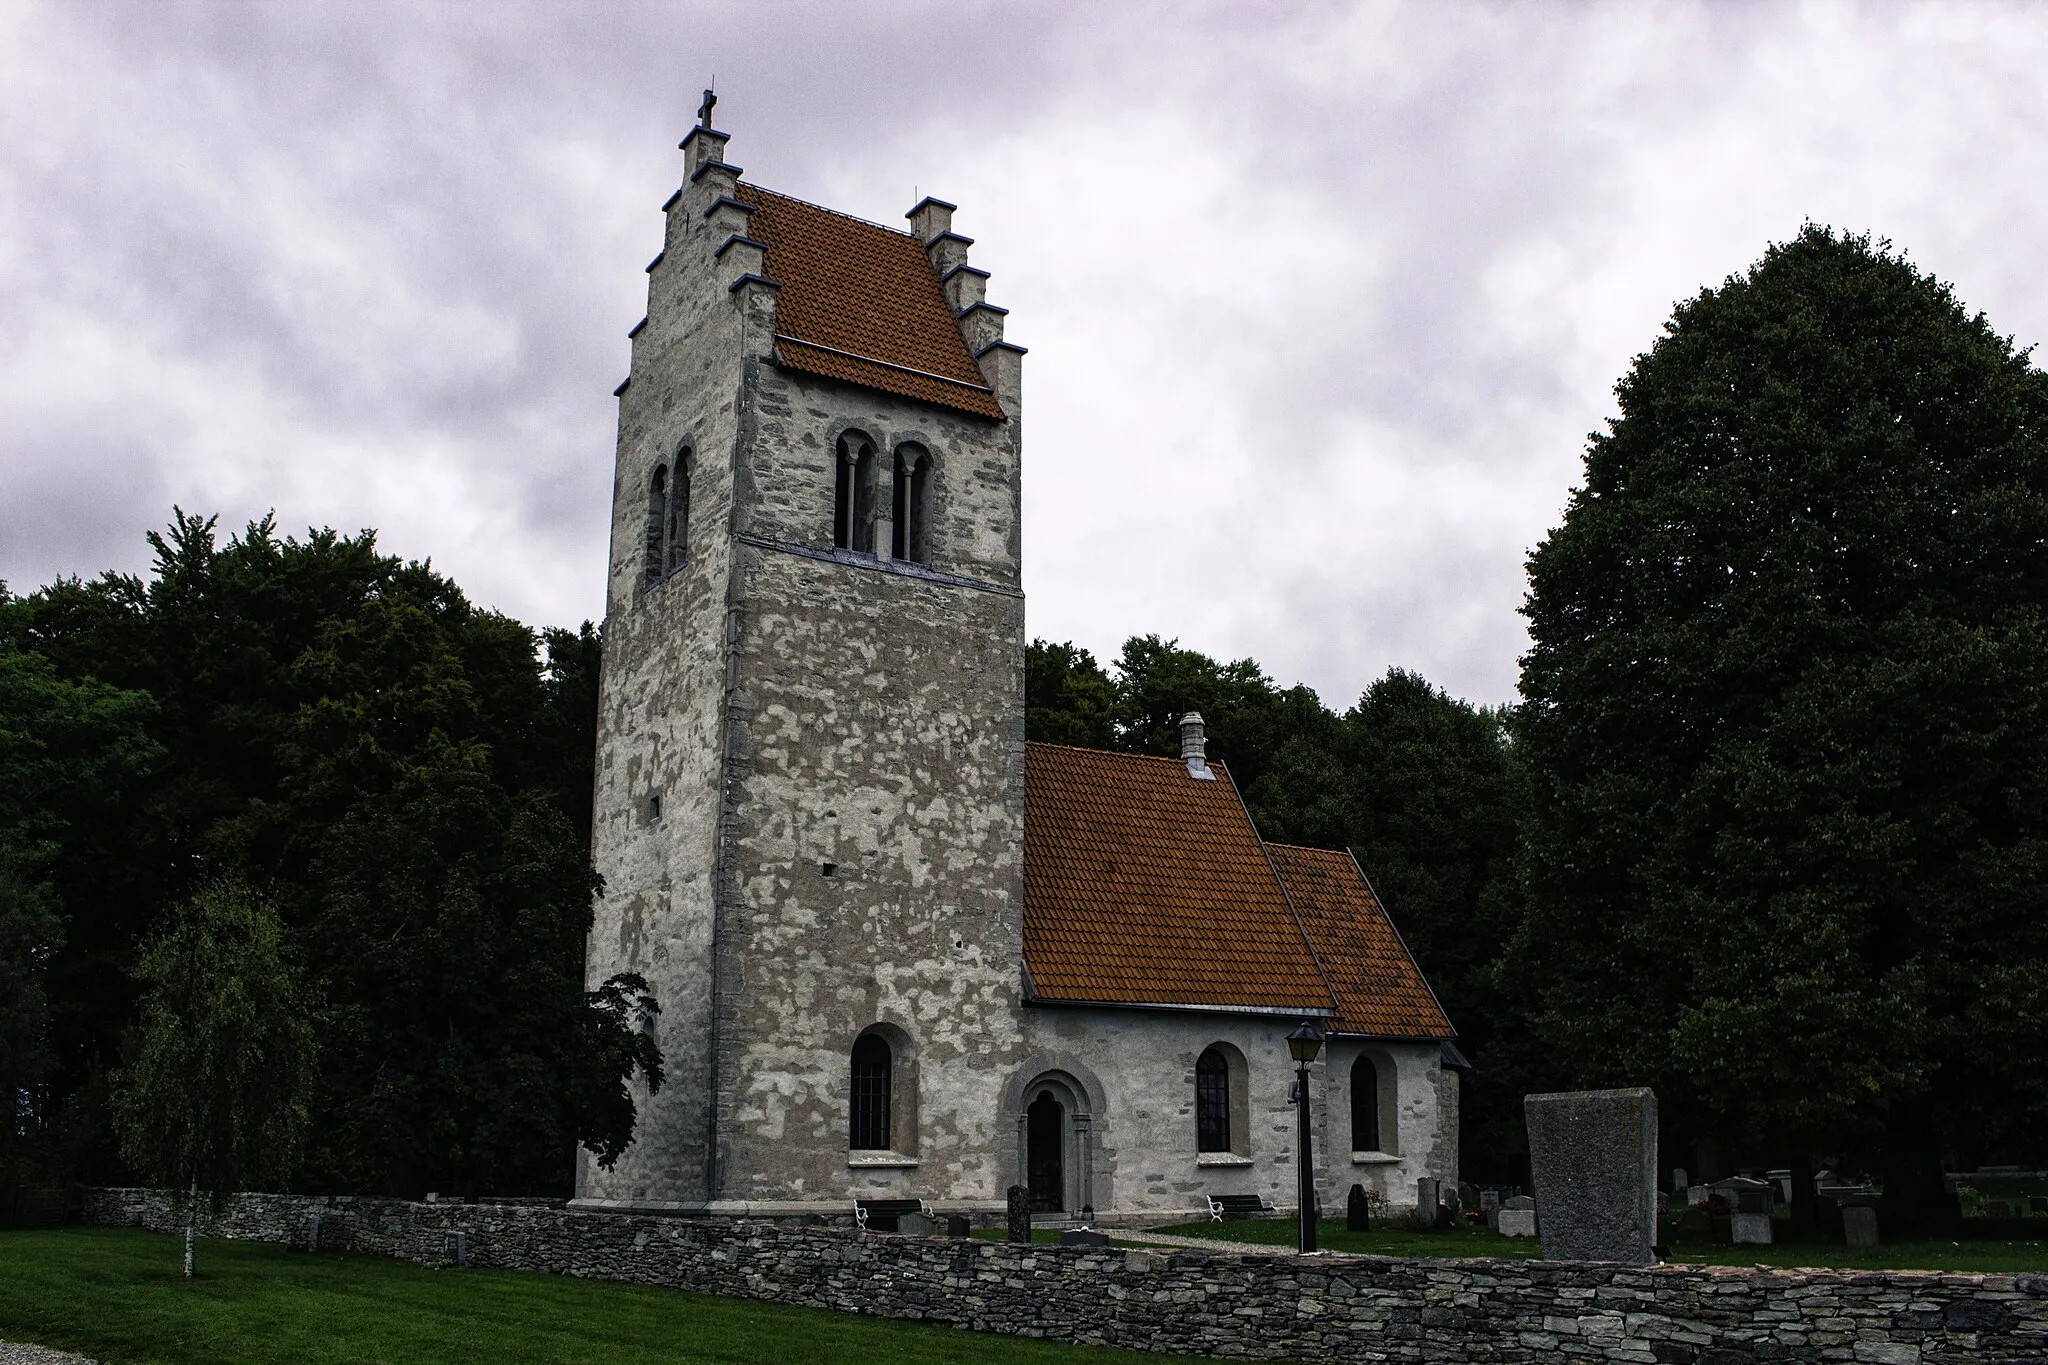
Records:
x=1859, y=1221
x=1489, y=1204
x=916, y=1225
x=1749, y=1222
x=1083, y=1237
x=313, y=1233
x=1020, y=1213
x=1426, y=1201
x=959, y=1225
x=1357, y=1211
x=1698, y=1194
x=1517, y=1217
x=455, y=1249
x=1593, y=1159
x=1679, y=1184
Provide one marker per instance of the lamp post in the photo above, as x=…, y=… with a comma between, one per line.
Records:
x=1304, y=1044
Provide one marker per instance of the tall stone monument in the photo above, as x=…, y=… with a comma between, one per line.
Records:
x=1593, y=1161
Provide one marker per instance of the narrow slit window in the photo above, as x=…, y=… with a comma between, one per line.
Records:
x=842, y=498
x=872, y=1063
x=864, y=498
x=899, y=510
x=920, y=539
x=913, y=498
x=657, y=521
x=1365, y=1106
x=679, y=514
x=1212, y=1102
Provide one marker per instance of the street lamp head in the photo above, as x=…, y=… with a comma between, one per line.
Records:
x=1305, y=1042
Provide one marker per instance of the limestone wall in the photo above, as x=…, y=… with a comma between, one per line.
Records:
x=1138, y=1067
x=1337, y=1308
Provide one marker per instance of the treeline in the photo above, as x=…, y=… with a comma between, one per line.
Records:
x=316, y=727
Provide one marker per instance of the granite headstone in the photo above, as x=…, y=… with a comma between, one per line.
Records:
x=1859, y=1221
x=1357, y=1211
x=1020, y=1213
x=1593, y=1160
x=1427, y=1200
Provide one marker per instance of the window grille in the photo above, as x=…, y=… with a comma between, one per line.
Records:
x=870, y=1118
x=1212, y=1102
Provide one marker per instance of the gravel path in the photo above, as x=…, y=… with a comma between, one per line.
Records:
x=15, y=1353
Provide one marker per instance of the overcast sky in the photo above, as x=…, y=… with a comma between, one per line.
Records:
x=1321, y=299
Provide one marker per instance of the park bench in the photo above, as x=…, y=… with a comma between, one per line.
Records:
x=1222, y=1206
x=880, y=1215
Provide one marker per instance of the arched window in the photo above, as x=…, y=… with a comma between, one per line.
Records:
x=657, y=521
x=1212, y=1101
x=868, y=1130
x=679, y=512
x=911, y=505
x=1365, y=1106
x=853, y=494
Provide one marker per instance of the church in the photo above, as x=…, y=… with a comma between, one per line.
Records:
x=901, y=952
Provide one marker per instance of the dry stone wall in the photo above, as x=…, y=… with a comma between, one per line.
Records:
x=1336, y=1308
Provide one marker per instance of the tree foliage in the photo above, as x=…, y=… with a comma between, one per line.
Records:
x=410, y=781
x=217, y=1095
x=1784, y=724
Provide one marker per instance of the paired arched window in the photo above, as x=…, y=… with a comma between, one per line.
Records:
x=1365, y=1106
x=911, y=505
x=668, y=517
x=875, y=517
x=1212, y=1101
x=873, y=1063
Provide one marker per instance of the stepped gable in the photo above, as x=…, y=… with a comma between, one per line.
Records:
x=1145, y=886
x=1380, y=991
x=861, y=303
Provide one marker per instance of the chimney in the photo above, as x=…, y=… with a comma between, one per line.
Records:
x=1194, y=746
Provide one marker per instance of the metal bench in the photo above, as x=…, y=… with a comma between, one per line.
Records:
x=880, y=1215
x=1222, y=1206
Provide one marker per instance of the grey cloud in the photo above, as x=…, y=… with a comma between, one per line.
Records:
x=1322, y=299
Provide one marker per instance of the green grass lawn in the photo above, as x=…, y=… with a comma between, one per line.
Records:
x=1998, y=1257
x=115, y=1294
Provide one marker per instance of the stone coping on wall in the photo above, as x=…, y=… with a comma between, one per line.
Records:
x=1331, y=1307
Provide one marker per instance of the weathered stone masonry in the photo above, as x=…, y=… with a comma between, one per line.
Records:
x=1343, y=1308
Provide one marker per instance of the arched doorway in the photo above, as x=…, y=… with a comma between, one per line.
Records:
x=1045, y=1142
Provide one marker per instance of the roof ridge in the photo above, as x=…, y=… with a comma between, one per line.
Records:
x=836, y=213
x=1113, y=753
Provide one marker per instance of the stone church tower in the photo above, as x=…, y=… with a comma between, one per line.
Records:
x=809, y=804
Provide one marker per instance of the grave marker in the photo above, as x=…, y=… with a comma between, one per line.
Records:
x=1357, y=1210
x=1020, y=1213
x=1593, y=1159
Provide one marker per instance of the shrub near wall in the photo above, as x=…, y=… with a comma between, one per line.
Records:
x=1333, y=1308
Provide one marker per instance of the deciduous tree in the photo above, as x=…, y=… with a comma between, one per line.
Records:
x=1786, y=720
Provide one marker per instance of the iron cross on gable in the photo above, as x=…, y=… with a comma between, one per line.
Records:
x=704, y=109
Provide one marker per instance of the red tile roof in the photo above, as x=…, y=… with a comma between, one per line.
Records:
x=1145, y=886
x=860, y=302
x=1379, y=989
